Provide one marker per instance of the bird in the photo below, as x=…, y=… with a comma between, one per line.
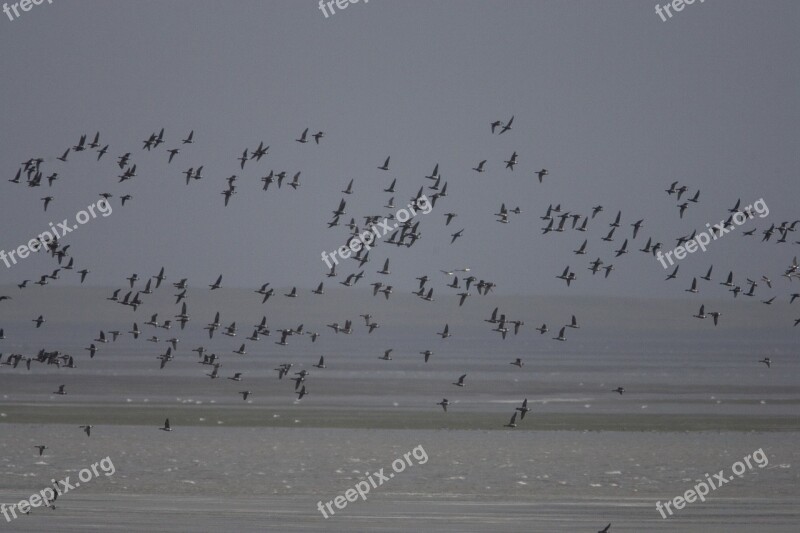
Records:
x=60, y=390
x=619, y=390
x=245, y=394
x=349, y=189
x=606, y=529
x=674, y=274
x=435, y=173
x=507, y=126
x=480, y=168
x=295, y=183
x=444, y=403
x=513, y=422
x=427, y=354
x=511, y=160
x=460, y=382
x=166, y=427
x=227, y=193
x=567, y=276
x=259, y=152
x=729, y=281
x=693, y=288
x=39, y=321
x=302, y=138
x=702, y=313
x=767, y=361
x=41, y=448
x=321, y=363
x=159, y=278
x=524, y=409
x=87, y=429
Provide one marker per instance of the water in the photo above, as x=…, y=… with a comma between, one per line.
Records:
x=696, y=401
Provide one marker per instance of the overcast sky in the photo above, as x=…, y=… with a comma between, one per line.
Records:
x=613, y=101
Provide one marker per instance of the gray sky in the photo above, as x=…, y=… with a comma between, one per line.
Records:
x=613, y=101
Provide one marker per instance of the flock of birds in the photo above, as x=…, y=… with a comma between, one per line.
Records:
x=558, y=219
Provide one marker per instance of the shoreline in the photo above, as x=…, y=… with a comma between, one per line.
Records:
x=314, y=417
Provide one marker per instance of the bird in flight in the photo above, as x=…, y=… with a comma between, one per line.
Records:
x=507, y=126
x=524, y=409
x=513, y=422
x=444, y=403
x=511, y=160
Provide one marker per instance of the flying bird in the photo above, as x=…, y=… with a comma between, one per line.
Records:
x=507, y=126
x=444, y=403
